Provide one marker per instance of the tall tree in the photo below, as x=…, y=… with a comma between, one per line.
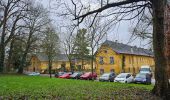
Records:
x=15, y=52
x=81, y=46
x=96, y=33
x=69, y=46
x=34, y=23
x=121, y=9
x=11, y=12
x=51, y=45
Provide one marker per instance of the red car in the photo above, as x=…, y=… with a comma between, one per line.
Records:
x=88, y=75
x=66, y=75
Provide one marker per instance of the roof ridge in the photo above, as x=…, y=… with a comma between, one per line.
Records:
x=128, y=49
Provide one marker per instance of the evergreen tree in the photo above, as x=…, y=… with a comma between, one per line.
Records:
x=81, y=46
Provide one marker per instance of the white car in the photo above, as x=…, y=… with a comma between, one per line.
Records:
x=124, y=78
x=34, y=74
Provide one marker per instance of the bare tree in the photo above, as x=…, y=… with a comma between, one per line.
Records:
x=143, y=31
x=11, y=12
x=128, y=10
x=69, y=45
x=34, y=22
x=96, y=33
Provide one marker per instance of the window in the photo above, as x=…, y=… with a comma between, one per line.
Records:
x=128, y=76
x=111, y=60
x=101, y=60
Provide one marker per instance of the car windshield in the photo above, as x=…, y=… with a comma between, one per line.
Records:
x=66, y=74
x=121, y=75
x=144, y=69
x=87, y=73
x=61, y=73
x=141, y=76
x=106, y=75
x=74, y=74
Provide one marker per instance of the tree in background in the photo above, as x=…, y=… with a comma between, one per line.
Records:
x=131, y=9
x=81, y=46
x=11, y=12
x=17, y=49
x=96, y=33
x=69, y=46
x=20, y=20
x=51, y=45
x=34, y=23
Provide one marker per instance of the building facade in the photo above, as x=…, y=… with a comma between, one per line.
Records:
x=118, y=57
x=39, y=63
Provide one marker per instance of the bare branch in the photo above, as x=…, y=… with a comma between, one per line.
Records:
x=109, y=6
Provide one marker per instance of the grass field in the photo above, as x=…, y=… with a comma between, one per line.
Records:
x=37, y=87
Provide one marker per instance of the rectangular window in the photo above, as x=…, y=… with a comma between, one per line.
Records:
x=111, y=60
x=101, y=60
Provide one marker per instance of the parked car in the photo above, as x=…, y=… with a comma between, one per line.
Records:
x=76, y=75
x=66, y=76
x=124, y=78
x=34, y=74
x=88, y=76
x=107, y=77
x=59, y=74
x=143, y=78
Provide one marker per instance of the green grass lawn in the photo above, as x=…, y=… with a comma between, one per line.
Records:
x=31, y=87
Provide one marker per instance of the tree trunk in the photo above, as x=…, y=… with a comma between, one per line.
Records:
x=2, y=56
x=71, y=66
x=92, y=59
x=2, y=43
x=22, y=63
x=28, y=45
x=162, y=87
x=8, y=67
x=23, y=60
x=82, y=63
x=50, y=66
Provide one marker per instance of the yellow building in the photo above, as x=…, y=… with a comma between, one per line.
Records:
x=118, y=57
x=39, y=63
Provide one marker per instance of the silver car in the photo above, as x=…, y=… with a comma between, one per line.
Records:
x=107, y=77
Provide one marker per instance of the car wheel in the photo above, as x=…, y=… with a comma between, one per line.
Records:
x=125, y=81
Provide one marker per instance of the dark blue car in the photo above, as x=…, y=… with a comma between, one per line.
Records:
x=143, y=78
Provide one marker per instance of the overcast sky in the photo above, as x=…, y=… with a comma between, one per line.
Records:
x=120, y=32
